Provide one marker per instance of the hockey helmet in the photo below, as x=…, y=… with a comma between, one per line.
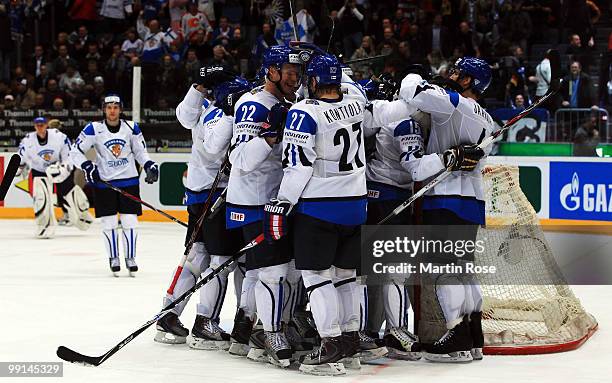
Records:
x=236, y=85
x=478, y=69
x=278, y=55
x=326, y=69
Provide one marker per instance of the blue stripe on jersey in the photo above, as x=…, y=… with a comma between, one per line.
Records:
x=468, y=208
x=342, y=212
x=381, y=192
x=251, y=111
x=405, y=128
x=89, y=130
x=215, y=113
x=205, y=103
x=193, y=197
x=238, y=216
x=118, y=183
x=454, y=97
x=136, y=130
x=300, y=121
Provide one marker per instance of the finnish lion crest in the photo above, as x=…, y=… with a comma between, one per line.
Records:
x=115, y=146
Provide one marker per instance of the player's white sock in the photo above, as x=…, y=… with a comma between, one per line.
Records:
x=212, y=294
x=239, y=275
x=110, y=235
x=348, y=298
x=451, y=296
x=323, y=301
x=247, y=295
x=129, y=224
x=269, y=295
x=362, y=290
x=292, y=283
x=396, y=304
x=197, y=259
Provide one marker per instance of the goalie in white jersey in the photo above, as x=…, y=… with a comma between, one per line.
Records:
x=458, y=125
x=118, y=144
x=47, y=151
x=324, y=184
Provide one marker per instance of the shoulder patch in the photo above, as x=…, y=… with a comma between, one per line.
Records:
x=89, y=130
x=312, y=102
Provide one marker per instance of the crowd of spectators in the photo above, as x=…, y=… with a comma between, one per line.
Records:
x=97, y=43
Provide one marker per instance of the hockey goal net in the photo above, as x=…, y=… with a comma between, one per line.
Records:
x=528, y=308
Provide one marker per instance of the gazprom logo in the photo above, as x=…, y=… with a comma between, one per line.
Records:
x=569, y=194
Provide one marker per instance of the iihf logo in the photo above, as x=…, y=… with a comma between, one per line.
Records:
x=46, y=154
x=115, y=146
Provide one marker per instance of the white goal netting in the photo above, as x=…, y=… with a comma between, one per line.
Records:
x=528, y=307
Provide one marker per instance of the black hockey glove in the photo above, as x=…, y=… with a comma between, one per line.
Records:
x=387, y=87
x=152, y=170
x=211, y=76
x=463, y=157
x=227, y=105
x=91, y=172
x=275, y=124
x=275, y=221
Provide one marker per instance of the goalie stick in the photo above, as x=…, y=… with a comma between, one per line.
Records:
x=134, y=198
x=9, y=175
x=555, y=84
x=72, y=356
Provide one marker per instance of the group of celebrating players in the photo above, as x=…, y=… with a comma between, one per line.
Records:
x=292, y=161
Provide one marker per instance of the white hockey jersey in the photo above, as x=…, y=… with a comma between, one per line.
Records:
x=387, y=173
x=455, y=120
x=324, y=158
x=116, y=153
x=256, y=167
x=199, y=115
x=38, y=156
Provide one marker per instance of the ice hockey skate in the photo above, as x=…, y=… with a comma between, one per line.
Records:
x=454, y=347
x=257, y=345
x=368, y=348
x=243, y=326
x=299, y=345
x=402, y=344
x=207, y=335
x=277, y=348
x=170, y=330
x=131, y=265
x=115, y=266
x=325, y=360
x=477, y=335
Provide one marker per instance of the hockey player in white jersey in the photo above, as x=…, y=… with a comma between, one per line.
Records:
x=46, y=151
x=458, y=124
x=324, y=185
x=256, y=172
x=214, y=244
x=118, y=143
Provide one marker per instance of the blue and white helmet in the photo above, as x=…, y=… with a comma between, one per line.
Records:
x=326, y=69
x=478, y=69
x=278, y=55
x=236, y=85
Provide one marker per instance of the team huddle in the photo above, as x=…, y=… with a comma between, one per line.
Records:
x=288, y=159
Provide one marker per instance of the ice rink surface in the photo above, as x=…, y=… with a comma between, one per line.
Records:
x=61, y=292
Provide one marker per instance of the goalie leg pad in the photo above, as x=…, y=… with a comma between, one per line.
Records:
x=44, y=214
x=77, y=206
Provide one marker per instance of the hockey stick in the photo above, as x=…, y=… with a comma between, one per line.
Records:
x=134, y=198
x=74, y=357
x=198, y=227
x=365, y=59
x=9, y=175
x=555, y=84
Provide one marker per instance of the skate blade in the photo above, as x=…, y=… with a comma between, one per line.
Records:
x=132, y=274
x=377, y=353
x=283, y=363
x=403, y=355
x=115, y=274
x=207, y=344
x=327, y=369
x=239, y=349
x=168, y=338
x=452, y=357
x=351, y=363
x=476, y=353
x=258, y=355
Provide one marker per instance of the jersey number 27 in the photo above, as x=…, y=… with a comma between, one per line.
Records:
x=343, y=137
